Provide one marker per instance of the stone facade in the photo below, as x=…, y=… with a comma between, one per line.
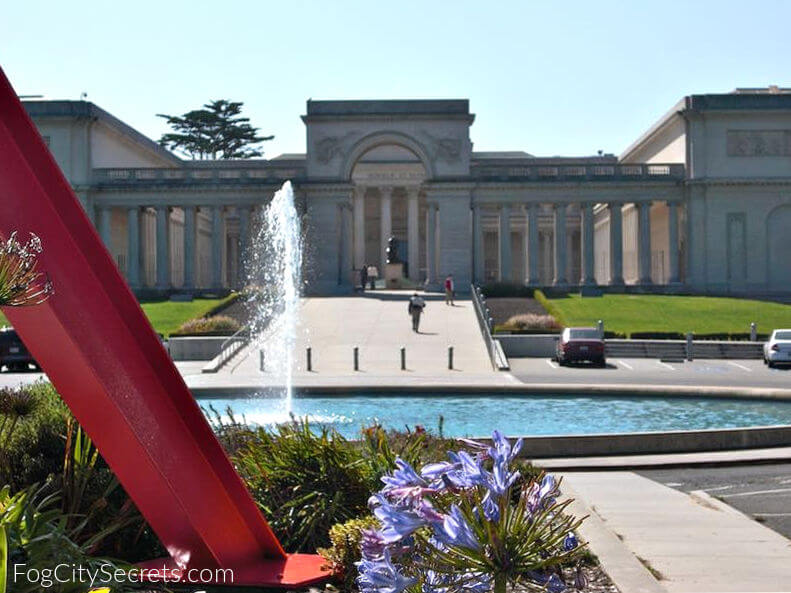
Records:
x=700, y=203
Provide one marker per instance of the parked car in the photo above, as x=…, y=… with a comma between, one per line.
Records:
x=778, y=348
x=578, y=344
x=13, y=353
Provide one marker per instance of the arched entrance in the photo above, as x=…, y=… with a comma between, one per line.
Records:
x=389, y=202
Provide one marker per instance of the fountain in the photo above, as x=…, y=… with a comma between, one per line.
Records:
x=276, y=268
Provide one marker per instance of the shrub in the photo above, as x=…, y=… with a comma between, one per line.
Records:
x=209, y=325
x=549, y=307
x=344, y=551
x=505, y=289
x=531, y=321
x=657, y=336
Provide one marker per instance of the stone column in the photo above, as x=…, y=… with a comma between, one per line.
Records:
x=344, y=244
x=189, y=247
x=244, y=244
x=477, y=243
x=386, y=224
x=533, y=244
x=431, y=243
x=672, y=239
x=216, y=247
x=588, y=276
x=163, y=247
x=505, y=243
x=560, y=245
x=133, y=247
x=359, y=227
x=644, y=242
x=413, y=234
x=616, y=244
x=104, y=225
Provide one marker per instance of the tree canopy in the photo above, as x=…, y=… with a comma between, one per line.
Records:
x=218, y=131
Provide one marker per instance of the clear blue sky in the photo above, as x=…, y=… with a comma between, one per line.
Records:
x=551, y=78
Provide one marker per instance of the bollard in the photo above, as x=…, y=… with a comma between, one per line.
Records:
x=491, y=324
x=689, y=346
x=600, y=325
x=309, y=355
x=261, y=360
x=356, y=358
x=450, y=358
x=403, y=358
x=753, y=332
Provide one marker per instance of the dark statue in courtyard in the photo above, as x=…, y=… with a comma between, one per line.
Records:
x=392, y=251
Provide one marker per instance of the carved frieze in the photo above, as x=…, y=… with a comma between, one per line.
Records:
x=446, y=148
x=759, y=142
x=329, y=147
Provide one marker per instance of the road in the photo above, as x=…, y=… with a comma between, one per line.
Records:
x=762, y=492
x=650, y=371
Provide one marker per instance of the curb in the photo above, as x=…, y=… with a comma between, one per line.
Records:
x=624, y=569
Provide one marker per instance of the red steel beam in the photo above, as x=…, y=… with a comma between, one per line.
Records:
x=102, y=355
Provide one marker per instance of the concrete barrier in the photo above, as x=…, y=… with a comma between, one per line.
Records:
x=195, y=347
x=528, y=345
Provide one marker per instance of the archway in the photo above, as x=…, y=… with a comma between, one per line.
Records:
x=389, y=202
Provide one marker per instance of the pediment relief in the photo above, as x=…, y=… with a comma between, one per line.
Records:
x=444, y=148
x=330, y=147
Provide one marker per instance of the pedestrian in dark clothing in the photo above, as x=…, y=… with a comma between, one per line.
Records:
x=363, y=276
x=416, y=306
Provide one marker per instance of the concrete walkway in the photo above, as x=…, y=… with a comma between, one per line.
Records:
x=689, y=542
x=379, y=325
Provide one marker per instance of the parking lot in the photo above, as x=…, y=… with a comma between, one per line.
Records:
x=762, y=492
x=650, y=371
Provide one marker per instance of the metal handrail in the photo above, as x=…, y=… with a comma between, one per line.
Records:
x=231, y=346
x=496, y=355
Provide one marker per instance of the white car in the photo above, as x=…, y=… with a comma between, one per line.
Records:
x=778, y=348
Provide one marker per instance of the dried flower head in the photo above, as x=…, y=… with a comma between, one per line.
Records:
x=20, y=282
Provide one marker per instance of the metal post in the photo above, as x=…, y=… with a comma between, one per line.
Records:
x=261, y=360
x=689, y=346
x=600, y=325
x=403, y=358
x=450, y=358
x=491, y=324
x=309, y=353
x=753, y=332
x=356, y=358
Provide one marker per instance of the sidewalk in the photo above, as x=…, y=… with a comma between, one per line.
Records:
x=688, y=542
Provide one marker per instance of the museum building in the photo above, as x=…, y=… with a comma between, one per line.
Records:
x=699, y=203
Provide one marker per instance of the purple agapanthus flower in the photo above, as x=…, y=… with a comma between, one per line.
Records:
x=491, y=510
x=455, y=531
x=403, y=477
x=555, y=584
x=381, y=576
x=501, y=449
x=372, y=544
x=541, y=495
x=397, y=522
x=570, y=542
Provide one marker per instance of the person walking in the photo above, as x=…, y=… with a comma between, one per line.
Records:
x=416, y=306
x=363, y=277
x=450, y=290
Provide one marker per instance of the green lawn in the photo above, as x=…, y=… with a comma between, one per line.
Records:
x=167, y=316
x=639, y=313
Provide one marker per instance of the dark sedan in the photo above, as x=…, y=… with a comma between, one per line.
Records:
x=14, y=356
x=580, y=344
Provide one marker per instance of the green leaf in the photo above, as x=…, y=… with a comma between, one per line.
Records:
x=3, y=559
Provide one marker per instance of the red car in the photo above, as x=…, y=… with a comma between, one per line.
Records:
x=578, y=344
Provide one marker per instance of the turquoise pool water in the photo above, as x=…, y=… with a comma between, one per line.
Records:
x=511, y=414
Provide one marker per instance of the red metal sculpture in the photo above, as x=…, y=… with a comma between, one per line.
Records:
x=98, y=349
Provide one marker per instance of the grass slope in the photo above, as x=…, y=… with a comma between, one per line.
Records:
x=637, y=313
x=167, y=316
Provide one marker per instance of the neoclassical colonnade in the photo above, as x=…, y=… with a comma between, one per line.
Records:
x=380, y=206
x=565, y=217
x=187, y=246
